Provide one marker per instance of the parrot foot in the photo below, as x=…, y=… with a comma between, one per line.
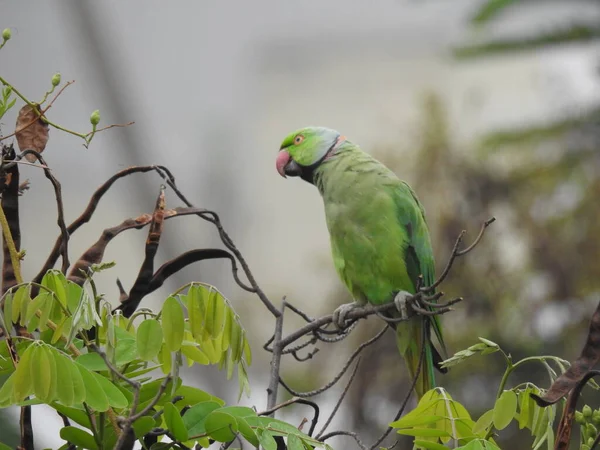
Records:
x=340, y=313
x=401, y=300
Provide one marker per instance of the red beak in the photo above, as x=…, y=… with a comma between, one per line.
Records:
x=283, y=158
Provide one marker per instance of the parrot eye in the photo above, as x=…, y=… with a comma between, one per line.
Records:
x=298, y=139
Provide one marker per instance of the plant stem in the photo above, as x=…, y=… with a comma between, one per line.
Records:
x=15, y=257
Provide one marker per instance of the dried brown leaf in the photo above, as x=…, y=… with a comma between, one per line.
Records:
x=590, y=355
x=31, y=132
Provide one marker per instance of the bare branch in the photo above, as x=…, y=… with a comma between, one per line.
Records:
x=340, y=400
x=339, y=375
x=352, y=434
x=456, y=253
x=410, y=390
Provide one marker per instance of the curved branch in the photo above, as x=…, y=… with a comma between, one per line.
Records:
x=341, y=373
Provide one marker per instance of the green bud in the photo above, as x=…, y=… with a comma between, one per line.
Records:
x=596, y=417
x=584, y=447
x=590, y=442
x=95, y=117
x=587, y=411
x=592, y=431
x=579, y=418
x=6, y=34
x=56, y=79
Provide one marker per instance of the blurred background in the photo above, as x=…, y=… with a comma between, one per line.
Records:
x=486, y=107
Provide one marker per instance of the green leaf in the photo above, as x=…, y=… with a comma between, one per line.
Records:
x=192, y=395
x=505, y=409
x=489, y=10
x=143, y=426
x=23, y=383
x=116, y=399
x=219, y=310
x=92, y=361
x=196, y=305
x=4, y=447
x=57, y=283
x=174, y=422
x=125, y=351
x=173, y=324
x=226, y=336
x=194, y=353
x=488, y=342
x=78, y=437
x=221, y=426
x=20, y=301
x=8, y=309
x=240, y=413
x=64, y=388
x=162, y=446
x=149, y=339
x=35, y=305
x=78, y=416
x=149, y=390
x=430, y=445
x=79, y=388
x=424, y=432
x=247, y=432
x=267, y=442
x=95, y=396
x=195, y=416
x=165, y=359
x=6, y=391
x=43, y=370
x=484, y=422
x=236, y=342
x=294, y=443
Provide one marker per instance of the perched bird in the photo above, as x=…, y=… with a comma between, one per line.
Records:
x=379, y=237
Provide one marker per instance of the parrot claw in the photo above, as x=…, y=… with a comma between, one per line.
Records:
x=340, y=313
x=401, y=300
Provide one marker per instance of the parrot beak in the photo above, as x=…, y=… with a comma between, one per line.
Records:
x=286, y=165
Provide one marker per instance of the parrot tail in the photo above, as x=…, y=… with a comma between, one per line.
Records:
x=409, y=338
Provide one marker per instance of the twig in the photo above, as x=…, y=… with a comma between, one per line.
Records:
x=352, y=434
x=40, y=113
x=456, y=253
x=214, y=219
x=275, y=360
x=59, y=207
x=127, y=423
x=410, y=390
x=339, y=375
x=355, y=314
x=15, y=256
x=340, y=400
x=86, y=215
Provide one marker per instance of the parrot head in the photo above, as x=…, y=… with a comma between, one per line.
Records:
x=304, y=150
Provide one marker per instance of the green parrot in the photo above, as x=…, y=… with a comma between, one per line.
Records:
x=379, y=237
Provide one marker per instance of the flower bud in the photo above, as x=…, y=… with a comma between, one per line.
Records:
x=56, y=79
x=592, y=431
x=95, y=117
x=6, y=34
x=587, y=411
x=579, y=418
x=584, y=447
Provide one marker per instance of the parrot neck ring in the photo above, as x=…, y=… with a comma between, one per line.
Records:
x=288, y=167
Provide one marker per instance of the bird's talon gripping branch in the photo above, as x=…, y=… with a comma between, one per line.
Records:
x=401, y=300
x=340, y=313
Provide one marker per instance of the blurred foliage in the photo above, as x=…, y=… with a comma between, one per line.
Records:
x=580, y=30
x=532, y=283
